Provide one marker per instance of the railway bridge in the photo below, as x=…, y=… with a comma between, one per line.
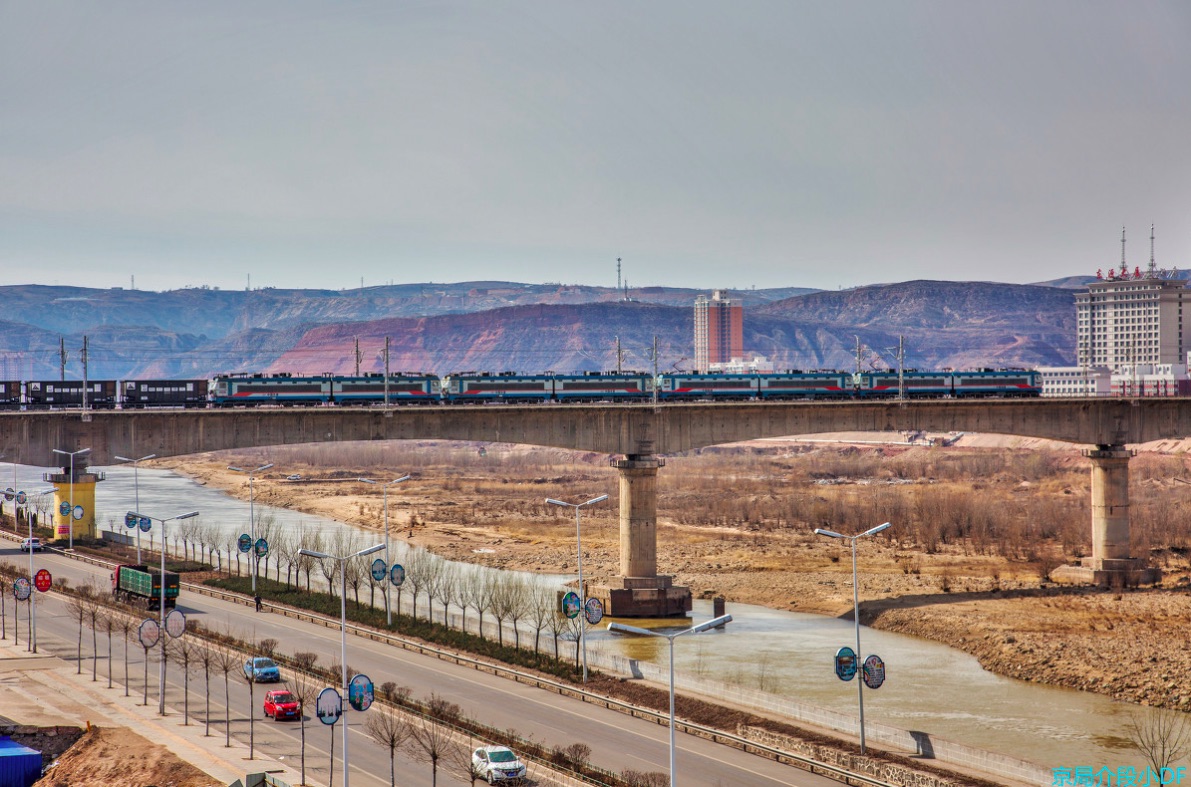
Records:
x=637, y=437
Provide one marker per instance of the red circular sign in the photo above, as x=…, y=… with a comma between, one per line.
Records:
x=42, y=580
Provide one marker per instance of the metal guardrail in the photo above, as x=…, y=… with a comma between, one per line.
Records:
x=562, y=689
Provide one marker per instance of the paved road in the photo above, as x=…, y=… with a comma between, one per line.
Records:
x=617, y=741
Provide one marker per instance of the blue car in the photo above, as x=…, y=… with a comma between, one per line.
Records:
x=262, y=670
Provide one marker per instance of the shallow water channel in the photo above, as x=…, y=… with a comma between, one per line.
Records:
x=929, y=687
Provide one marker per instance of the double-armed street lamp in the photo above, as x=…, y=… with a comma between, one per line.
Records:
x=582, y=595
x=710, y=624
x=161, y=601
x=252, y=517
x=856, y=610
x=136, y=487
x=385, y=486
x=343, y=624
x=72, y=455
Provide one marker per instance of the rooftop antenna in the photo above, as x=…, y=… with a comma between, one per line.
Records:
x=618, y=291
x=1122, y=250
x=1153, y=269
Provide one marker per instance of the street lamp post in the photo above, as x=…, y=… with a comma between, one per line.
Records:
x=856, y=612
x=388, y=561
x=32, y=599
x=72, y=455
x=136, y=486
x=342, y=624
x=579, y=548
x=161, y=601
x=251, y=516
x=710, y=624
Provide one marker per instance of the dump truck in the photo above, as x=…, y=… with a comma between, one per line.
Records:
x=141, y=586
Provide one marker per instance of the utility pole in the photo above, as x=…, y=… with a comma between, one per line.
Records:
x=856, y=376
x=901, y=370
x=84, y=374
x=386, y=372
x=61, y=358
x=900, y=357
x=655, y=369
x=358, y=356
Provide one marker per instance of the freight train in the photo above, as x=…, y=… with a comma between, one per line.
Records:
x=256, y=390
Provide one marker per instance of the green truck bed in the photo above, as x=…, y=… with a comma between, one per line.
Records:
x=145, y=583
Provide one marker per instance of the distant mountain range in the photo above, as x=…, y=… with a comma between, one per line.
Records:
x=496, y=326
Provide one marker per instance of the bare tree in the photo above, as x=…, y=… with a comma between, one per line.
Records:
x=266, y=528
x=391, y=731
x=540, y=607
x=330, y=570
x=249, y=676
x=305, y=687
x=429, y=741
x=79, y=607
x=354, y=572
x=185, y=650
x=94, y=615
x=449, y=584
x=306, y=564
x=226, y=662
x=1162, y=735
x=107, y=622
x=556, y=624
x=206, y=659
x=417, y=574
x=434, y=574
x=504, y=601
x=287, y=551
x=460, y=762
x=481, y=595
x=125, y=625
x=518, y=605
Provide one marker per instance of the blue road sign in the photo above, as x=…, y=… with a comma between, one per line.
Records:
x=397, y=575
x=244, y=542
x=379, y=570
x=845, y=663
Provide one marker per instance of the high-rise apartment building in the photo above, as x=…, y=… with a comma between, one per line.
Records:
x=1127, y=319
x=719, y=330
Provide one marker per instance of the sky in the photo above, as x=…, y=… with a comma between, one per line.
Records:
x=706, y=144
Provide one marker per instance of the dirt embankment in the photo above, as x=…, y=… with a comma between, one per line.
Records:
x=104, y=757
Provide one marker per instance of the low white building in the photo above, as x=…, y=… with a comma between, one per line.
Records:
x=758, y=364
x=1075, y=381
x=1151, y=379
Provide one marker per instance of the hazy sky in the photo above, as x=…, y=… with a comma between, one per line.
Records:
x=708, y=144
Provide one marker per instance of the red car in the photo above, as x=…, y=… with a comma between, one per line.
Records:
x=282, y=704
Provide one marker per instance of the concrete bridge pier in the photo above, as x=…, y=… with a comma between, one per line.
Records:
x=641, y=592
x=1110, y=561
